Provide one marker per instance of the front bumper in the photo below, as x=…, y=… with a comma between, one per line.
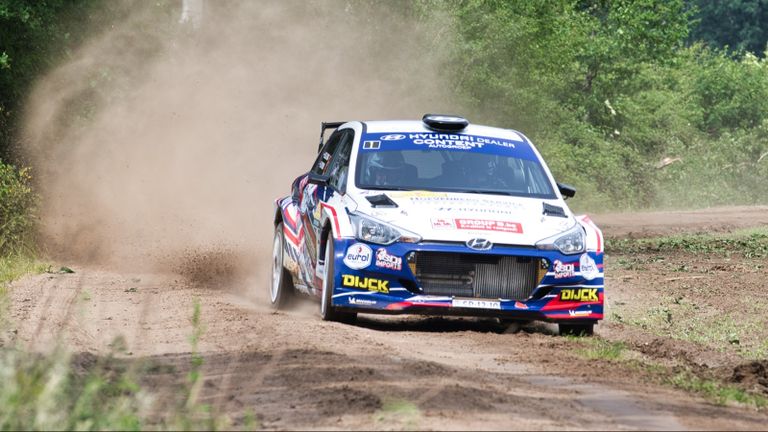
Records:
x=388, y=282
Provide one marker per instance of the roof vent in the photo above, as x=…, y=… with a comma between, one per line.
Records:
x=445, y=123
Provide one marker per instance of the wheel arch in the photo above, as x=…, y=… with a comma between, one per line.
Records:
x=277, y=216
x=324, y=234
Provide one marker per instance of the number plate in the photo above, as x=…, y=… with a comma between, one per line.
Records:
x=476, y=303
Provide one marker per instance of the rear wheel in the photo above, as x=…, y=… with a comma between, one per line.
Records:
x=327, y=311
x=281, y=287
x=581, y=329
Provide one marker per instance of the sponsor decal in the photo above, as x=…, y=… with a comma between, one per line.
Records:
x=371, y=145
x=458, y=142
x=579, y=294
x=358, y=256
x=443, y=224
x=520, y=305
x=387, y=261
x=370, y=284
x=420, y=195
x=575, y=313
x=359, y=301
x=393, y=137
x=564, y=270
x=588, y=267
x=476, y=304
x=428, y=197
x=489, y=225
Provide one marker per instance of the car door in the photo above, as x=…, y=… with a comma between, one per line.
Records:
x=333, y=162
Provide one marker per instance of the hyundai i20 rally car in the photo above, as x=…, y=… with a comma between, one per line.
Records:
x=437, y=216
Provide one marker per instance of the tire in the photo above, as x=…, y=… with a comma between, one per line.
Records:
x=281, y=290
x=576, y=329
x=327, y=311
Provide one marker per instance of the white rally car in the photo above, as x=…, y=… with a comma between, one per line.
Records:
x=437, y=216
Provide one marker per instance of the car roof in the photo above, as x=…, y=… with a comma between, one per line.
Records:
x=417, y=126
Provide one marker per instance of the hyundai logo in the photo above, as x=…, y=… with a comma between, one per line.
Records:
x=393, y=137
x=479, y=244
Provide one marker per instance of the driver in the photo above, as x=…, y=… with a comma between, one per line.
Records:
x=478, y=169
x=387, y=168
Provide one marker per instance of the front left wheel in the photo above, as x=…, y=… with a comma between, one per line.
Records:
x=281, y=287
x=327, y=310
x=581, y=329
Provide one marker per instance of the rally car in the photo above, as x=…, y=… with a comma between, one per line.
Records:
x=437, y=216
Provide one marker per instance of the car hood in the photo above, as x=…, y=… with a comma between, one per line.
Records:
x=438, y=216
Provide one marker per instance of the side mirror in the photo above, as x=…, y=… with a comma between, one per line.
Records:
x=318, y=179
x=567, y=191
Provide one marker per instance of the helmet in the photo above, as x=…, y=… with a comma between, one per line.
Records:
x=477, y=164
x=385, y=167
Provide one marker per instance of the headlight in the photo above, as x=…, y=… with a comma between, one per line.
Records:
x=374, y=231
x=571, y=242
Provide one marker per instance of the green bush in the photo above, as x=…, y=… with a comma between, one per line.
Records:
x=17, y=210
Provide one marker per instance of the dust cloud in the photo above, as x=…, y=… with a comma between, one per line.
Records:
x=156, y=142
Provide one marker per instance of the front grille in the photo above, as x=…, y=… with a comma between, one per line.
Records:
x=474, y=275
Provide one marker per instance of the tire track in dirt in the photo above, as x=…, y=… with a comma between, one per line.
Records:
x=617, y=408
x=51, y=312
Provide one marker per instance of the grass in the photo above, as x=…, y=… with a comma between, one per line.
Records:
x=16, y=266
x=45, y=393
x=11, y=268
x=595, y=348
x=715, y=391
x=398, y=412
x=751, y=243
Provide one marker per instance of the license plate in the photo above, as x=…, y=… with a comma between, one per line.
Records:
x=477, y=304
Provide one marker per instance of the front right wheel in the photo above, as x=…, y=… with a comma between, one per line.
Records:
x=327, y=311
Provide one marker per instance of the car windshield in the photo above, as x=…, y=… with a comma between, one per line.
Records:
x=459, y=166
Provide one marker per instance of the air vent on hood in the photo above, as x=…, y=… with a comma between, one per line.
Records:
x=553, y=210
x=381, y=200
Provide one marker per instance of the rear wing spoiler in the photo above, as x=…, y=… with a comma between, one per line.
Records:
x=325, y=126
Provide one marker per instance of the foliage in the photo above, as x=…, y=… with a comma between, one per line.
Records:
x=609, y=92
x=734, y=24
x=17, y=210
x=33, y=36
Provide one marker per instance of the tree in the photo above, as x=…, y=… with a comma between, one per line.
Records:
x=739, y=25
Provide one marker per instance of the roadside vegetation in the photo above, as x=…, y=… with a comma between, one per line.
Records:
x=622, y=101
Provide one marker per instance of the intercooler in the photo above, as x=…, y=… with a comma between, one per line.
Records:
x=476, y=275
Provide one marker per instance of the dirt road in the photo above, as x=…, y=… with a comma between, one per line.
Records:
x=291, y=370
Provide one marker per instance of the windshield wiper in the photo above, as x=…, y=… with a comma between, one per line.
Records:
x=489, y=192
x=387, y=188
